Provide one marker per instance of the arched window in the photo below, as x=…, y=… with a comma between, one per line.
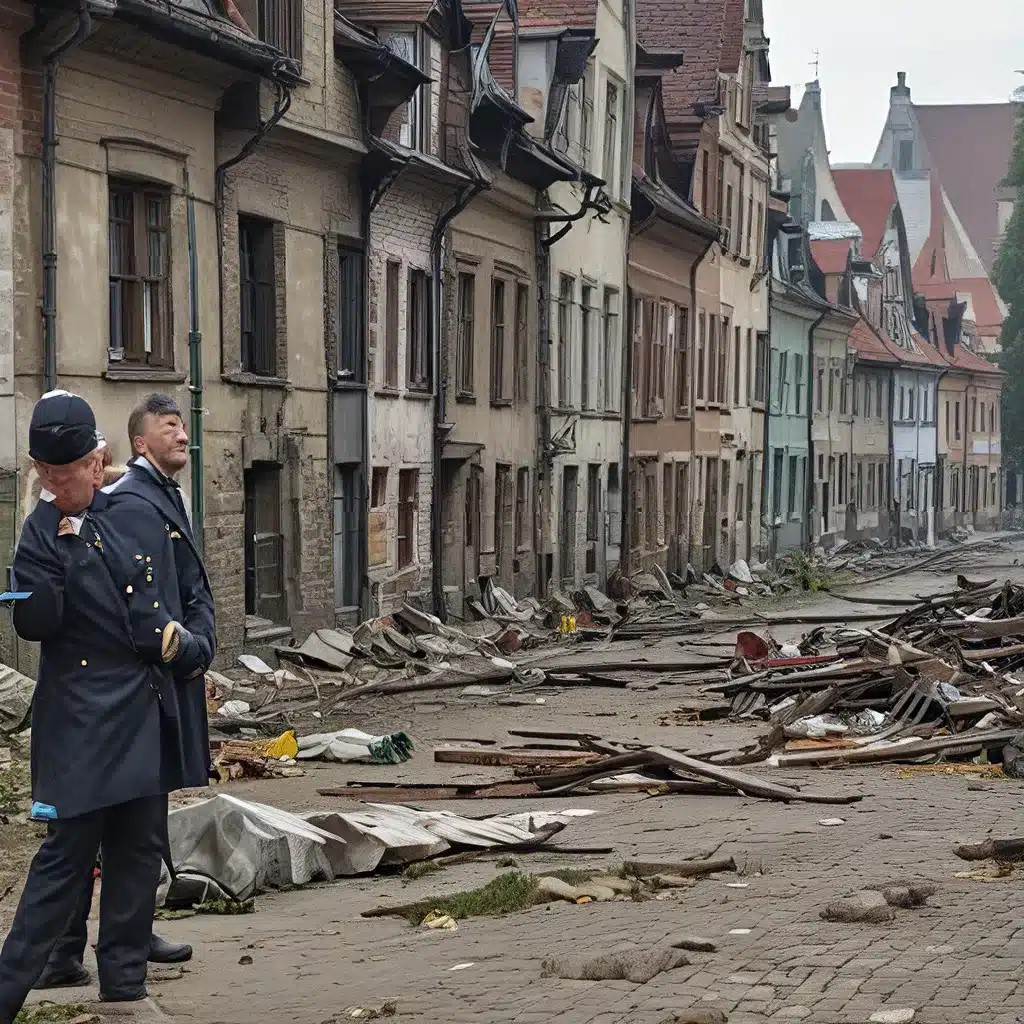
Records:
x=826, y=211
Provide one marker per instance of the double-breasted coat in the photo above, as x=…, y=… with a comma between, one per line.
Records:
x=142, y=483
x=106, y=724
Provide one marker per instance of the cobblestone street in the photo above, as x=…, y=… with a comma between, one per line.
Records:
x=955, y=961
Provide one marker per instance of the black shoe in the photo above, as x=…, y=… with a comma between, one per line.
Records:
x=63, y=976
x=163, y=952
x=134, y=995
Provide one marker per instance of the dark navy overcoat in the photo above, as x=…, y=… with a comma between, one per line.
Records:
x=143, y=484
x=106, y=725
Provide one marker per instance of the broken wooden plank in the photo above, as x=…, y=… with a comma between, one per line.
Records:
x=510, y=758
x=682, y=869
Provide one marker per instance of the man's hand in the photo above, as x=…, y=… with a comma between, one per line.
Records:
x=181, y=650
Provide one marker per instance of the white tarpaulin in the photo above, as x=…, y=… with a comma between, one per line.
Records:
x=15, y=699
x=249, y=847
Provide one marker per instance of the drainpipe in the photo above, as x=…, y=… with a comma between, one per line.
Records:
x=49, y=194
x=282, y=102
x=195, y=374
x=545, y=467
x=765, y=430
x=440, y=367
x=808, y=530
x=694, y=267
x=968, y=508
x=625, y=476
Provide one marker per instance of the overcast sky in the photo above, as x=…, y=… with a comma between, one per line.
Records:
x=953, y=52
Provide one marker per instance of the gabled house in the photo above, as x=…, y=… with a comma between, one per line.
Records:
x=493, y=373
x=719, y=136
x=886, y=298
x=575, y=78
x=671, y=301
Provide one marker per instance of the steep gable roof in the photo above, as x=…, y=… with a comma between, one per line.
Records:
x=869, y=196
x=969, y=146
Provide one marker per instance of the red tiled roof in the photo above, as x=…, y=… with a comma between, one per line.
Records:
x=868, y=345
x=831, y=256
x=987, y=314
x=969, y=146
x=869, y=196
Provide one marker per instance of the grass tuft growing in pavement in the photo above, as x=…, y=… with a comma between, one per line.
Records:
x=51, y=1013
x=505, y=894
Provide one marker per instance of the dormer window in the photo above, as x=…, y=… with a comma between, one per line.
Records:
x=409, y=44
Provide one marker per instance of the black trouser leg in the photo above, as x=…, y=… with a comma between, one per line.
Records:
x=133, y=846
x=52, y=890
x=69, y=952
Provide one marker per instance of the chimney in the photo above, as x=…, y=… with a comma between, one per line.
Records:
x=900, y=91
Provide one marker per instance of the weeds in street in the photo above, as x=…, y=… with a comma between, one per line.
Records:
x=51, y=1013
x=505, y=894
x=810, y=574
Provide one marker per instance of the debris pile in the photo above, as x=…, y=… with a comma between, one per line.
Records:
x=939, y=680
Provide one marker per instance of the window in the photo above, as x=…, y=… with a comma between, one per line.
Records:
x=783, y=380
x=350, y=316
x=659, y=349
x=612, y=360
x=415, y=115
x=831, y=389
x=730, y=242
x=139, y=275
x=712, y=358
x=264, y=543
x=522, y=508
x=926, y=404
x=521, y=347
x=408, y=487
x=992, y=418
x=391, y=324
x=791, y=506
x=956, y=420
x=586, y=115
x=720, y=194
x=912, y=396
x=586, y=348
x=723, y=360
x=750, y=365
x=379, y=487
x=750, y=219
x=798, y=374
x=947, y=420
x=276, y=23
x=821, y=389
x=566, y=288
x=974, y=415
x=498, y=377
x=844, y=481
x=760, y=366
x=347, y=526
x=651, y=510
x=844, y=391
x=859, y=487
x=593, y=516
x=906, y=155
x=611, y=136
x=777, y=467
x=759, y=236
x=737, y=366
x=567, y=522
x=682, y=347
x=614, y=504
x=464, y=350
x=638, y=382
x=504, y=522
x=257, y=295
x=701, y=342
x=871, y=485
x=420, y=332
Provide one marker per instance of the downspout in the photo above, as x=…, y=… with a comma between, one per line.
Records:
x=464, y=197
x=282, y=102
x=939, y=467
x=545, y=467
x=625, y=475
x=694, y=267
x=968, y=506
x=808, y=530
x=195, y=374
x=765, y=430
x=49, y=194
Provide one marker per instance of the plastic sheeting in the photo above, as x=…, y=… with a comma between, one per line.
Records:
x=246, y=847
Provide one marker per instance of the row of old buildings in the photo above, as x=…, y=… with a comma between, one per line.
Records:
x=884, y=411
x=464, y=299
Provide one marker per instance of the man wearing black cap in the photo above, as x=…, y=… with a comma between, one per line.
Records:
x=160, y=451
x=106, y=735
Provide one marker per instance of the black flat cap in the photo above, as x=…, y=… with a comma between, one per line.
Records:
x=62, y=430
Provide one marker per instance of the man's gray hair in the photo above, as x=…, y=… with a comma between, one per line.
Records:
x=152, y=405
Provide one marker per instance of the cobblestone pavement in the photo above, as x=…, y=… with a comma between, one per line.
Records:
x=956, y=961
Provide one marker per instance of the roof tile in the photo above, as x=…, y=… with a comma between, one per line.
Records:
x=869, y=195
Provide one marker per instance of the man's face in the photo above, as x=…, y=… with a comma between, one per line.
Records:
x=164, y=442
x=72, y=486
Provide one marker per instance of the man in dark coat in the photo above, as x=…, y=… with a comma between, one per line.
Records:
x=159, y=453
x=106, y=734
